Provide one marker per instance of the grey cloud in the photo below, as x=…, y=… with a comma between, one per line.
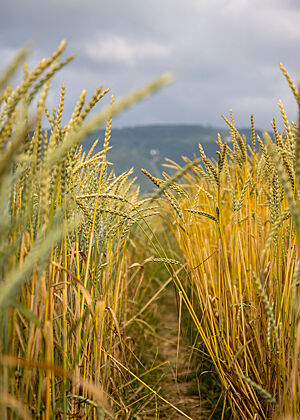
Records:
x=225, y=53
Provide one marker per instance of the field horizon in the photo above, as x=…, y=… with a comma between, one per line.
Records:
x=147, y=146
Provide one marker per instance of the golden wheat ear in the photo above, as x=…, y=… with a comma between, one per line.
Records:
x=290, y=82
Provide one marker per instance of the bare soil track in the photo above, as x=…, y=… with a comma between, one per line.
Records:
x=181, y=391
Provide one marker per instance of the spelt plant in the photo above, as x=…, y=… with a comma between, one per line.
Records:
x=64, y=264
x=239, y=234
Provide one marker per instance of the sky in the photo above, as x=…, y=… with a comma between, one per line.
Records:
x=224, y=54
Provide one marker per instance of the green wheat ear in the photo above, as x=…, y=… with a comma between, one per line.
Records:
x=297, y=165
x=13, y=67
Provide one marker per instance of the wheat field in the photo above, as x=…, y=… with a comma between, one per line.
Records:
x=81, y=250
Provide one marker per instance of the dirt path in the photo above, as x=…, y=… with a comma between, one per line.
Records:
x=182, y=392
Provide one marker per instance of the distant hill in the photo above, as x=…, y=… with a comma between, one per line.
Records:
x=148, y=146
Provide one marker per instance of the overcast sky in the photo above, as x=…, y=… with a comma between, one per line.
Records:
x=224, y=53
